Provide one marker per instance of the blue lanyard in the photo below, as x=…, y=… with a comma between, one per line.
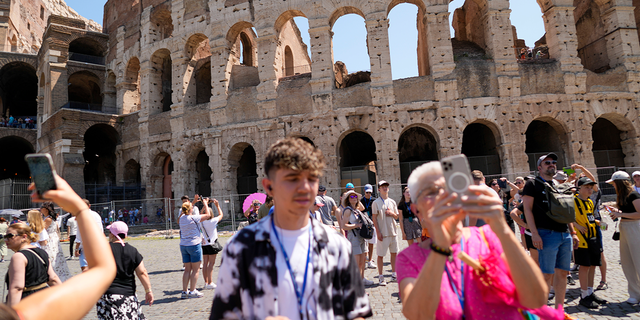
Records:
x=460, y=294
x=299, y=294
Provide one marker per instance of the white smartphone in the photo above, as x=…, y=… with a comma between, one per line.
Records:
x=457, y=175
x=42, y=171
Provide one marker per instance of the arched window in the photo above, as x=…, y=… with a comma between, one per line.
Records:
x=161, y=23
x=18, y=89
x=357, y=159
x=203, y=174
x=416, y=146
x=592, y=36
x=288, y=61
x=468, y=34
x=86, y=50
x=12, y=164
x=408, y=41
x=349, y=45
x=480, y=147
x=199, y=70
x=544, y=136
x=160, y=80
x=131, y=98
x=292, y=55
x=84, y=91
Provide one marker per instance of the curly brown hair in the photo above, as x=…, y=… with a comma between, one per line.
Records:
x=295, y=154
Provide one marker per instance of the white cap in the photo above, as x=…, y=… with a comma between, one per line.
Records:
x=618, y=175
x=368, y=188
x=635, y=173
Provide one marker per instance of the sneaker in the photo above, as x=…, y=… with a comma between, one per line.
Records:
x=588, y=302
x=568, y=317
x=184, y=295
x=575, y=267
x=570, y=281
x=182, y=269
x=381, y=280
x=394, y=276
x=210, y=286
x=632, y=300
x=597, y=299
x=367, y=282
x=372, y=265
x=195, y=294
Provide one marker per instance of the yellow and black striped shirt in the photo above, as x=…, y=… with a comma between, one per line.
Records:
x=585, y=218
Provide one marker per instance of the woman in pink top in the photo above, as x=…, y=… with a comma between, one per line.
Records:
x=452, y=295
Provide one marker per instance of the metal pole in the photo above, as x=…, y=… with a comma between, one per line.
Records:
x=233, y=216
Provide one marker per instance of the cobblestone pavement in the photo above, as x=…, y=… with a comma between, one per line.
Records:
x=162, y=259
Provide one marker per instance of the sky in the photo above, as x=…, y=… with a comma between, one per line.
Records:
x=349, y=39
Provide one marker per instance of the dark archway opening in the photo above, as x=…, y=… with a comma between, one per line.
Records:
x=415, y=146
x=247, y=50
x=203, y=83
x=86, y=50
x=12, y=164
x=358, y=159
x=542, y=138
x=99, y=154
x=479, y=145
x=288, y=61
x=607, y=149
x=84, y=91
x=18, y=90
x=307, y=140
x=247, y=174
x=203, y=172
x=167, y=170
x=132, y=172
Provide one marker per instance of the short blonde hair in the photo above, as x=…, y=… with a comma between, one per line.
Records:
x=416, y=182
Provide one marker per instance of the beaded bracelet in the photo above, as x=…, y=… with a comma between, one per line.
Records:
x=445, y=252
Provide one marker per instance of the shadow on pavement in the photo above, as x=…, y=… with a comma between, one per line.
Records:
x=167, y=300
x=164, y=271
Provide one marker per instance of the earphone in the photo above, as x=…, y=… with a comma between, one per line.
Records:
x=270, y=189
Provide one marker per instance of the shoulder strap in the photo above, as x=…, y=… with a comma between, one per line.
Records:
x=37, y=255
x=484, y=238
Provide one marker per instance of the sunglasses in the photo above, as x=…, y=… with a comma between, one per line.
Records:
x=9, y=235
x=494, y=184
x=256, y=204
x=353, y=197
x=518, y=182
x=550, y=162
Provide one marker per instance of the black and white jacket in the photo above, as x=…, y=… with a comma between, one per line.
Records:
x=248, y=281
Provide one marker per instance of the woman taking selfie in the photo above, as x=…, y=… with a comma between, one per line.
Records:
x=29, y=269
x=628, y=203
x=458, y=293
x=191, y=248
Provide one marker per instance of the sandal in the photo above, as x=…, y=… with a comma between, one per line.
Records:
x=603, y=286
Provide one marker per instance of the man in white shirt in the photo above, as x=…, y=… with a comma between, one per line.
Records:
x=288, y=264
x=79, y=250
x=72, y=230
x=385, y=212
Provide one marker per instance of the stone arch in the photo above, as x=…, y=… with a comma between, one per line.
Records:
x=84, y=91
x=86, y=49
x=242, y=161
x=422, y=50
x=592, y=36
x=131, y=87
x=18, y=89
x=614, y=141
x=357, y=156
x=470, y=30
x=132, y=172
x=247, y=49
x=100, y=142
x=160, y=175
x=161, y=23
x=417, y=144
x=12, y=164
x=481, y=144
x=296, y=59
x=544, y=135
x=198, y=72
x=344, y=78
x=160, y=94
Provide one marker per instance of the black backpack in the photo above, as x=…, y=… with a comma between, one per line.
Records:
x=366, y=231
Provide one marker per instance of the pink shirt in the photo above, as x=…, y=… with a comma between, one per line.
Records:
x=411, y=260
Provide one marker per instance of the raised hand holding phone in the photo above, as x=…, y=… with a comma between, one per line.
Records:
x=42, y=172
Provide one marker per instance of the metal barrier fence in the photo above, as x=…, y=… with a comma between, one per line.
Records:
x=14, y=194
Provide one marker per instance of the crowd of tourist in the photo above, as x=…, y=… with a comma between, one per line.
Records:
x=20, y=122
x=304, y=254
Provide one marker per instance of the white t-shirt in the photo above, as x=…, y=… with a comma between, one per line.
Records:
x=42, y=236
x=97, y=220
x=387, y=224
x=189, y=230
x=296, y=244
x=210, y=228
x=72, y=226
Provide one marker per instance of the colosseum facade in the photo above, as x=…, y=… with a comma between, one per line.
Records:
x=185, y=96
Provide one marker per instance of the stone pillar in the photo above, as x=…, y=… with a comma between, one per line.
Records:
x=630, y=150
x=59, y=85
x=147, y=77
x=563, y=45
x=267, y=44
x=439, y=41
x=220, y=77
x=145, y=27
x=623, y=47
x=380, y=59
x=499, y=41
x=213, y=147
x=179, y=82
x=322, y=76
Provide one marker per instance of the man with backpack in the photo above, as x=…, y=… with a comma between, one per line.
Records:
x=553, y=239
x=385, y=212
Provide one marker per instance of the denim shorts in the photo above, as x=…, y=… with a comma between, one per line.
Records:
x=191, y=254
x=556, y=251
x=83, y=259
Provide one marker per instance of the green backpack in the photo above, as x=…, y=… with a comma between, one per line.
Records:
x=559, y=201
